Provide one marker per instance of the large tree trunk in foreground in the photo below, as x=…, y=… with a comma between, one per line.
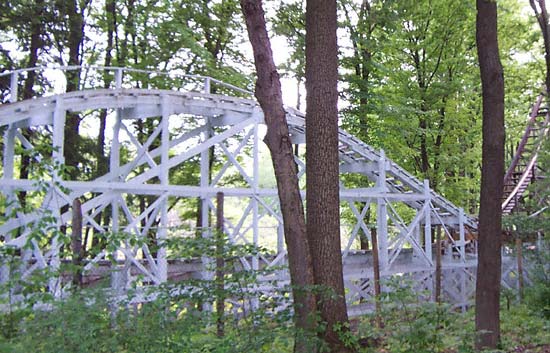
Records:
x=492, y=175
x=322, y=165
x=268, y=93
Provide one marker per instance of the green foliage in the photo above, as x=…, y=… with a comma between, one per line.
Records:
x=290, y=22
x=86, y=323
x=526, y=226
x=92, y=321
x=417, y=325
x=537, y=296
x=413, y=325
x=411, y=75
x=522, y=326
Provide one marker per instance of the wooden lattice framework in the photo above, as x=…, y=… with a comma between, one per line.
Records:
x=191, y=120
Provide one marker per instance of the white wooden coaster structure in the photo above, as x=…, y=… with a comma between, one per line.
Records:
x=187, y=122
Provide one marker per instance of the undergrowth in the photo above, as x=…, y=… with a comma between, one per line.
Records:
x=86, y=322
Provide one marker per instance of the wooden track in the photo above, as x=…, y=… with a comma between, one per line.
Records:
x=523, y=169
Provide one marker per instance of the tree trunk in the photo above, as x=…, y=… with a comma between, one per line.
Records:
x=519, y=256
x=36, y=44
x=102, y=160
x=376, y=277
x=102, y=166
x=492, y=175
x=71, y=141
x=322, y=165
x=220, y=267
x=363, y=236
x=268, y=93
x=438, y=266
x=76, y=242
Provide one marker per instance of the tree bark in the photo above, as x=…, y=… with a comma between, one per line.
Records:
x=376, y=277
x=322, y=165
x=519, y=256
x=76, y=242
x=438, y=266
x=492, y=175
x=268, y=93
x=220, y=267
x=71, y=143
x=102, y=160
x=36, y=43
x=363, y=236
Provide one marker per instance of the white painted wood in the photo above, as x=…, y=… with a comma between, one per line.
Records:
x=59, y=117
x=428, y=223
x=382, y=216
x=14, y=86
x=230, y=125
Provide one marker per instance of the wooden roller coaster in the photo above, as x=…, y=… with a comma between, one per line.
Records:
x=523, y=168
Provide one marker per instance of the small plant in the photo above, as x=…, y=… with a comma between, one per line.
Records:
x=412, y=324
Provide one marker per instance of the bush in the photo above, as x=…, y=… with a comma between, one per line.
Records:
x=537, y=296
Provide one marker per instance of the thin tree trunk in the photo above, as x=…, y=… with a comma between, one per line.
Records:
x=438, y=266
x=76, y=242
x=376, y=269
x=268, y=93
x=363, y=241
x=492, y=175
x=424, y=157
x=28, y=90
x=519, y=254
x=322, y=165
x=102, y=160
x=220, y=264
x=198, y=234
x=102, y=166
x=75, y=39
x=363, y=237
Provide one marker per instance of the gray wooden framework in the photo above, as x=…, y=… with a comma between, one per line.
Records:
x=189, y=121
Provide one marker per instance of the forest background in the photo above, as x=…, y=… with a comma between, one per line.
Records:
x=408, y=69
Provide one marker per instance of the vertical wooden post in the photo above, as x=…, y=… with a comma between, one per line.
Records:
x=376, y=268
x=428, y=222
x=519, y=254
x=220, y=263
x=76, y=242
x=162, y=232
x=14, y=86
x=382, y=213
x=438, y=266
x=462, y=235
